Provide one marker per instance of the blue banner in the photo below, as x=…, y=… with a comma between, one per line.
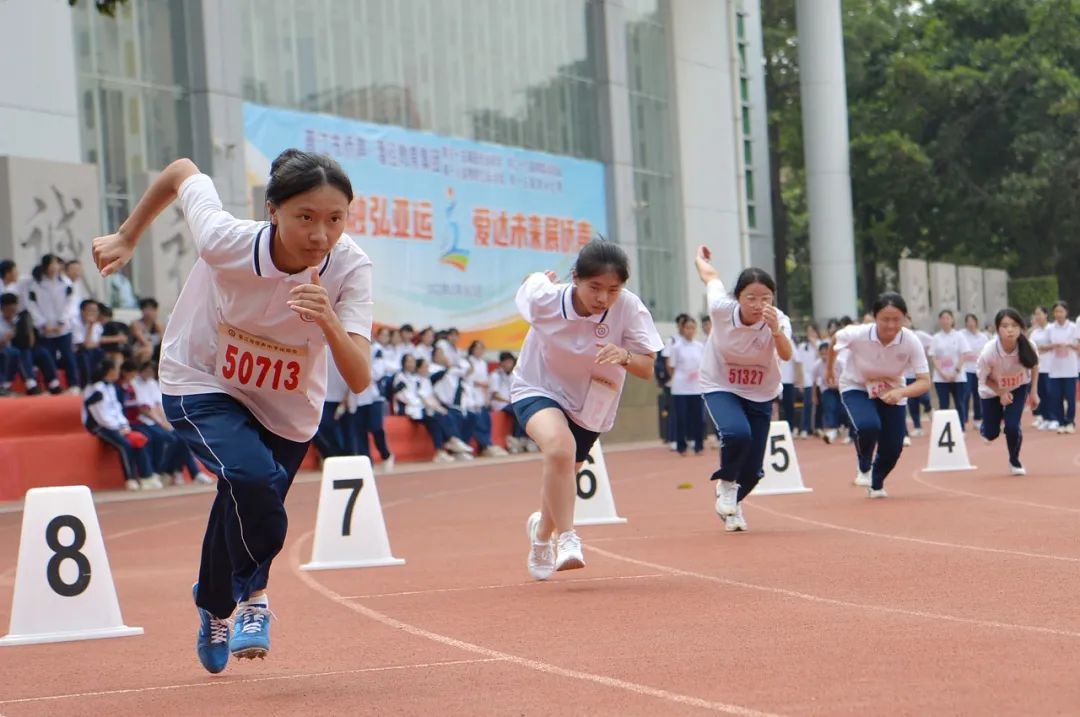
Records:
x=452, y=225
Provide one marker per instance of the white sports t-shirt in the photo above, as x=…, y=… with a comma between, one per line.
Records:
x=232, y=330
x=740, y=359
x=1063, y=362
x=949, y=349
x=499, y=387
x=558, y=358
x=806, y=355
x=1041, y=337
x=976, y=341
x=875, y=367
x=1005, y=368
x=685, y=357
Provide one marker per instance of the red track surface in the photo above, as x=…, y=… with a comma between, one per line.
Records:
x=956, y=596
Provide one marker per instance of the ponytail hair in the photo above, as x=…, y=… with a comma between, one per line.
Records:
x=1029, y=357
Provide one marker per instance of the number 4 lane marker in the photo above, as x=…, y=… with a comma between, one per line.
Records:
x=349, y=528
x=63, y=585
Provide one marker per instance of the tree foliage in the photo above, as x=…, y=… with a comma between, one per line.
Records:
x=964, y=120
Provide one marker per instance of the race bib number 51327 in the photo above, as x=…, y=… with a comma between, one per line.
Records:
x=745, y=375
x=251, y=362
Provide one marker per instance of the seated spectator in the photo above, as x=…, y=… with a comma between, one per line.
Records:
x=10, y=283
x=499, y=388
x=425, y=345
x=22, y=352
x=146, y=332
x=448, y=385
x=413, y=397
x=86, y=336
x=103, y=416
x=478, y=401
x=165, y=458
x=115, y=335
x=152, y=415
x=51, y=301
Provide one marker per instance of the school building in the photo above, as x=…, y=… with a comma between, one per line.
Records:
x=664, y=98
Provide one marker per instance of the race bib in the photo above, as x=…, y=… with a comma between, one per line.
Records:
x=599, y=401
x=1061, y=353
x=693, y=376
x=877, y=389
x=745, y=375
x=947, y=363
x=1012, y=381
x=253, y=363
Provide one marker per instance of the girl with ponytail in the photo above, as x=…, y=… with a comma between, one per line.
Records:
x=1007, y=367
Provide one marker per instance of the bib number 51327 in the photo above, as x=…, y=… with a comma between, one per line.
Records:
x=249, y=369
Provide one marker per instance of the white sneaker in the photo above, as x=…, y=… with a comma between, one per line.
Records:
x=570, y=557
x=673, y=446
x=1017, y=470
x=862, y=479
x=1071, y=428
x=740, y=521
x=152, y=483
x=1062, y=430
x=830, y=436
x=204, y=479
x=531, y=447
x=457, y=445
x=178, y=478
x=513, y=445
x=1052, y=426
x=388, y=464
x=493, y=451
x=1038, y=423
x=442, y=457
x=132, y=484
x=879, y=493
x=541, y=552
x=907, y=441
x=463, y=456
x=917, y=433
x=847, y=440
x=727, y=497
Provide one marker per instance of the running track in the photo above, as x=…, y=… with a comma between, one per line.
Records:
x=957, y=595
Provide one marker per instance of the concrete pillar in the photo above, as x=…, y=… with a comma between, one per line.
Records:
x=825, y=137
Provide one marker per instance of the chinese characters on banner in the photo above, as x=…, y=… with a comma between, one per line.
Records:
x=451, y=225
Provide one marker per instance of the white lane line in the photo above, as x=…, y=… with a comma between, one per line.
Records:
x=992, y=624
x=225, y=682
x=919, y=541
x=995, y=498
x=537, y=665
x=530, y=584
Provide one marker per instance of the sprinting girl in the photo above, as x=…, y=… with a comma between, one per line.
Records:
x=1006, y=367
x=873, y=388
x=948, y=351
x=584, y=337
x=243, y=364
x=1038, y=337
x=684, y=365
x=740, y=378
x=976, y=340
x=1061, y=396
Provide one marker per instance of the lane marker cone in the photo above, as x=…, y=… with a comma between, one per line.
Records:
x=948, y=451
x=595, y=504
x=782, y=472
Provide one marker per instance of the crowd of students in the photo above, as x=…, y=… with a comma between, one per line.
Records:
x=426, y=377
x=952, y=353
x=49, y=323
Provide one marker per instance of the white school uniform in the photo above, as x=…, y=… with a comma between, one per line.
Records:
x=976, y=341
x=102, y=405
x=949, y=349
x=476, y=381
x=875, y=367
x=499, y=388
x=1063, y=362
x=79, y=332
x=787, y=372
x=740, y=359
x=1041, y=337
x=685, y=357
x=52, y=303
x=925, y=339
x=232, y=330
x=1005, y=368
x=806, y=356
x=558, y=358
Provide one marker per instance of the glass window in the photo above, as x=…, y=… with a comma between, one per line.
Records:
x=751, y=216
x=748, y=152
x=749, y=177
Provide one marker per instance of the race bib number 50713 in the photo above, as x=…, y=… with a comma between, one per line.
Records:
x=251, y=362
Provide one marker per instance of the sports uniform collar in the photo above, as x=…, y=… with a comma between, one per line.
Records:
x=264, y=264
x=897, y=340
x=570, y=314
x=737, y=322
x=1001, y=349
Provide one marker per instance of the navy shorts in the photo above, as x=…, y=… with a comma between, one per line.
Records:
x=583, y=438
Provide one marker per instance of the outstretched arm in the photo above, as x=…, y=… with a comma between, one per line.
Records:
x=112, y=252
x=705, y=270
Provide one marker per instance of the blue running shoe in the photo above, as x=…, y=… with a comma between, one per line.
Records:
x=251, y=632
x=213, y=641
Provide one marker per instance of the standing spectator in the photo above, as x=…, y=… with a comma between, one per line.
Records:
x=806, y=358
x=976, y=340
x=103, y=416
x=684, y=365
x=146, y=332
x=86, y=337
x=52, y=305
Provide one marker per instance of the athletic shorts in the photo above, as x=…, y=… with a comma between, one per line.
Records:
x=583, y=438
